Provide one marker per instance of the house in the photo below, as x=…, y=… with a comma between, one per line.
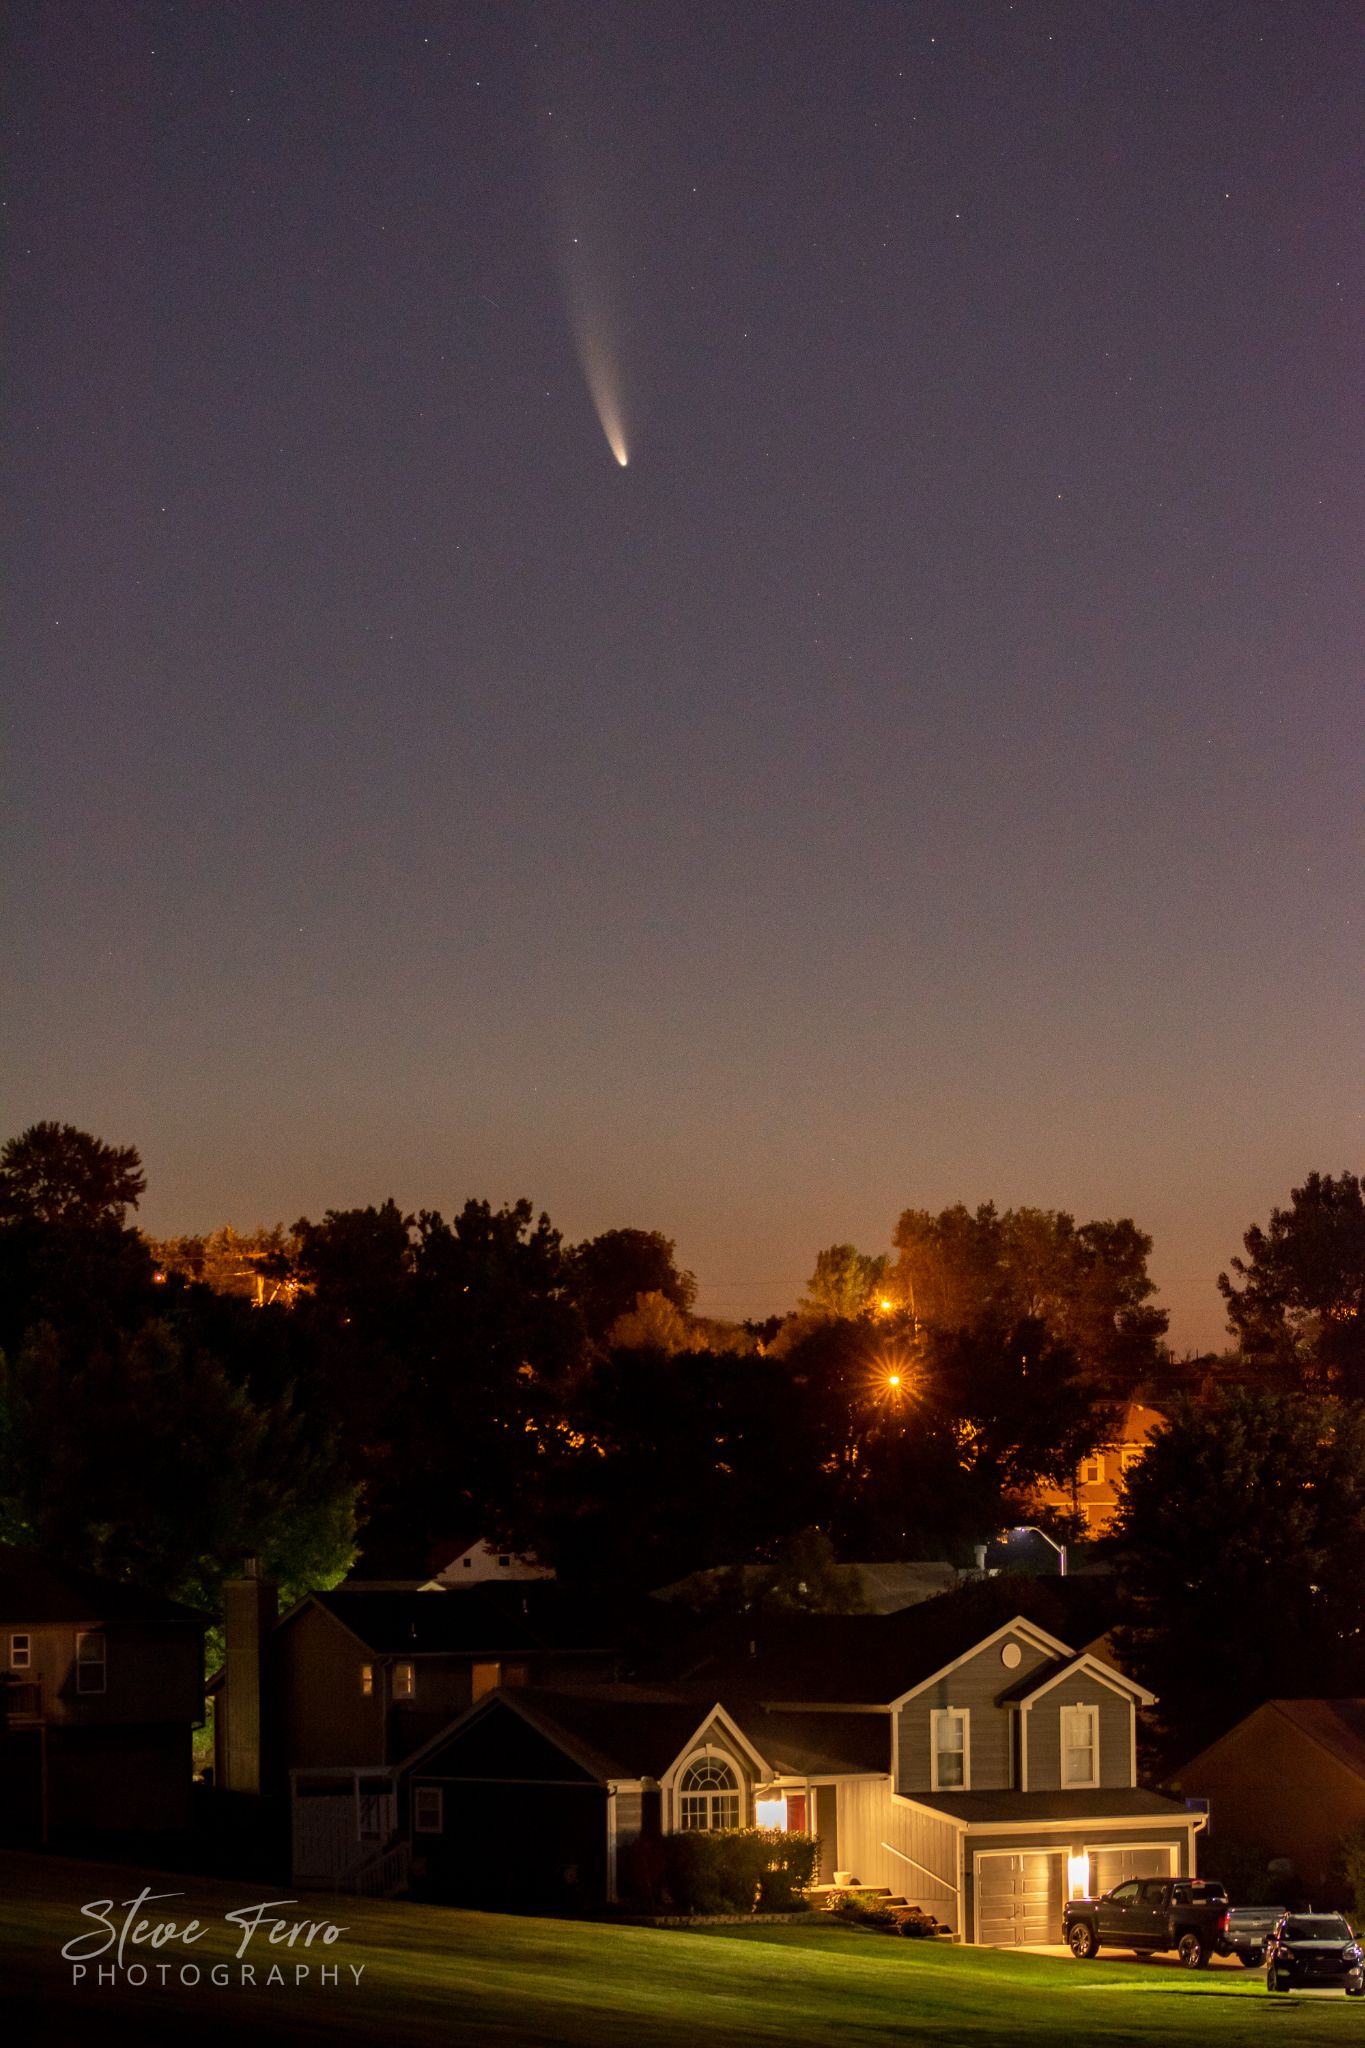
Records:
x=1094, y=1489
x=322, y=1703
x=473, y=1563
x=987, y=1776
x=1287, y=1780
x=103, y=1688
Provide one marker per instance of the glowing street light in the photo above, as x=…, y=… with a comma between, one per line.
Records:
x=1032, y=1529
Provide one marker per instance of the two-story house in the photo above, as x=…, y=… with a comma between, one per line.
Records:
x=324, y=1702
x=986, y=1776
x=102, y=1690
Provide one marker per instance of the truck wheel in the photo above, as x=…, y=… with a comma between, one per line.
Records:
x=1355, y=1990
x=1270, y=1983
x=1193, y=1950
x=1250, y=1959
x=1084, y=1941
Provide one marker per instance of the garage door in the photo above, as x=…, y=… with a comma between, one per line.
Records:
x=1018, y=1900
x=1109, y=1867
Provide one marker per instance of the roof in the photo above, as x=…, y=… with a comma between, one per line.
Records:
x=1103, y=1668
x=636, y=1731
x=1017, y=1809
x=872, y=1659
x=491, y=1618
x=34, y=1589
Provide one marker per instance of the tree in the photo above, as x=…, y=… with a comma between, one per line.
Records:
x=54, y=1173
x=846, y=1282
x=150, y=1462
x=961, y=1270
x=1241, y=1532
x=1300, y=1306
x=606, y=1275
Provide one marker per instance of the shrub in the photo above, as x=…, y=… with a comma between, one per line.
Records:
x=1249, y=1874
x=911, y=1922
x=1351, y=1861
x=736, y=1870
x=863, y=1909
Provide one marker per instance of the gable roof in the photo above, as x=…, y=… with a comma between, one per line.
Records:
x=861, y=1659
x=636, y=1731
x=1337, y=1726
x=34, y=1589
x=1038, y=1682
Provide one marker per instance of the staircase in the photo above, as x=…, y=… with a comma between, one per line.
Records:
x=381, y=1873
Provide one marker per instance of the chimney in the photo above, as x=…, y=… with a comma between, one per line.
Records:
x=250, y=1608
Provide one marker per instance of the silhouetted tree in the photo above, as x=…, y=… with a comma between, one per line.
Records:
x=605, y=1275
x=1241, y=1531
x=54, y=1173
x=1300, y=1307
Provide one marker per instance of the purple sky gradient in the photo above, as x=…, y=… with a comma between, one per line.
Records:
x=932, y=770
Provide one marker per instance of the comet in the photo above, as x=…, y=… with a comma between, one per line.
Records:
x=599, y=358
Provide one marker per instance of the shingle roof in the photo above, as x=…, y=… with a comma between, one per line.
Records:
x=1017, y=1809
x=1339, y=1725
x=34, y=1589
x=492, y=1618
x=635, y=1731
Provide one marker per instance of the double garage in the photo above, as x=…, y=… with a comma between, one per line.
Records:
x=1019, y=1894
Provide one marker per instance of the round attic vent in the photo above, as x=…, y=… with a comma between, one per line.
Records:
x=1010, y=1654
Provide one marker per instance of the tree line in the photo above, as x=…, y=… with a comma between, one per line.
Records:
x=386, y=1380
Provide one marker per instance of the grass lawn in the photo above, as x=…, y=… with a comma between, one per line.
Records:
x=433, y=1975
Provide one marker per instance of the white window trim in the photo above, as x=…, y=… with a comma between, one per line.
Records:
x=1091, y=1783
x=428, y=1827
x=93, y=1668
x=710, y=1752
x=964, y=1715
x=21, y=1659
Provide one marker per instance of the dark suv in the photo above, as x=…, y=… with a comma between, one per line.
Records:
x=1314, y=1948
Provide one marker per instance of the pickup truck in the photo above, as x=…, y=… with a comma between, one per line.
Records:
x=1249, y=1929
x=1149, y=1915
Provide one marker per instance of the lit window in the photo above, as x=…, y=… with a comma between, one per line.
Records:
x=708, y=1795
x=403, y=1687
x=91, y=1668
x=20, y=1653
x=484, y=1678
x=428, y=1810
x=1080, y=1745
x=367, y=1679
x=951, y=1772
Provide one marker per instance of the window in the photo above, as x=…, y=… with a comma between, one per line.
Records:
x=428, y=1810
x=1132, y=1456
x=504, y=1562
x=20, y=1653
x=367, y=1679
x=1080, y=1745
x=709, y=1794
x=91, y=1669
x=951, y=1765
x=485, y=1678
x=1126, y=1894
x=404, y=1685
x=1092, y=1471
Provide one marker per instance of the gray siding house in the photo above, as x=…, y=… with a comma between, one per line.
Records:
x=985, y=1777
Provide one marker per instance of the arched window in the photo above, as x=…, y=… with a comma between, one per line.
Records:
x=708, y=1794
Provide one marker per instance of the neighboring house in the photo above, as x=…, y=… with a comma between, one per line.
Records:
x=103, y=1688
x=478, y=1562
x=324, y=1702
x=1094, y=1489
x=985, y=1776
x=1288, y=1780
x=879, y=1588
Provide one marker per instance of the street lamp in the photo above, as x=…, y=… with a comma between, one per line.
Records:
x=1032, y=1529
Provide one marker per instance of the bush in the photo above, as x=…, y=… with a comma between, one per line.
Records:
x=1248, y=1874
x=911, y=1922
x=737, y=1870
x=863, y=1909
x=1351, y=1862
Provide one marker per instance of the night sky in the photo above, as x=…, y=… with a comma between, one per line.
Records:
x=930, y=770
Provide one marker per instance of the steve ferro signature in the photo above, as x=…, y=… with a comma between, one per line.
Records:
x=138, y=1929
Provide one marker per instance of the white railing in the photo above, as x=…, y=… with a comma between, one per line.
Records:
x=943, y=1883
x=381, y=1874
